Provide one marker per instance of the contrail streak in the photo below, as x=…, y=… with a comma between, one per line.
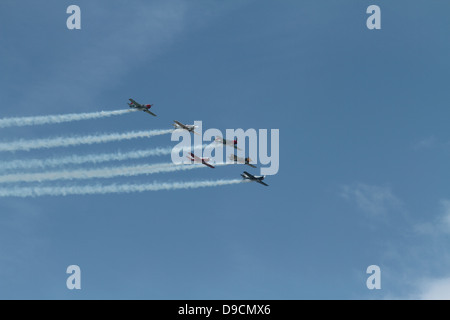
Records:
x=113, y=188
x=61, y=118
x=90, y=158
x=83, y=174
x=26, y=145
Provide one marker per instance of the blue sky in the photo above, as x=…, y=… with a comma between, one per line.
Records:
x=364, y=149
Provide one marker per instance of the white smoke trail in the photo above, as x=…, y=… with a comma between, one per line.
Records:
x=26, y=145
x=82, y=174
x=105, y=189
x=61, y=118
x=90, y=158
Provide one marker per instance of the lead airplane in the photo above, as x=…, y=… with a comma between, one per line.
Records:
x=246, y=161
x=141, y=107
x=248, y=176
x=188, y=127
x=231, y=143
x=196, y=159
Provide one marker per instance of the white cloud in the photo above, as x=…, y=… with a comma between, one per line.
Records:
x=430, y=143
x=440, y=225
x=373, y=200
x=425, y=143
x=423, y=262
x=434, y=289
x=445, y=216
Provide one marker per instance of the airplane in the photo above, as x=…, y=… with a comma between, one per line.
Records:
x=248, y=176
x=227, y=142
x=196, y=159
x=188, y=127
x=246, y=161
x=141, y=107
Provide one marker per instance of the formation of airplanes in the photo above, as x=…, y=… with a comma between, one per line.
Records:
x=194, y=159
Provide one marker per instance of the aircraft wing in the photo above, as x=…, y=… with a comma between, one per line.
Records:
x=191, y=129
x=180, y=124
x=249, y=176
x=134, y=102
x=207, y=164
x=185, y=127
x=149, y=112
x=195, y=158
